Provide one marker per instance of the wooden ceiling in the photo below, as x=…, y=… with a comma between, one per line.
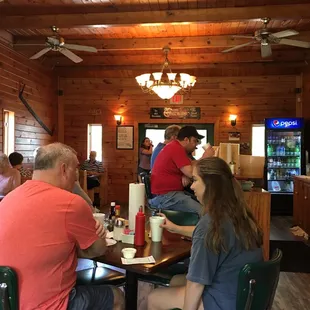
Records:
x=131, y=33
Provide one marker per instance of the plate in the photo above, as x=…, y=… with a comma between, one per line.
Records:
x=110, y=242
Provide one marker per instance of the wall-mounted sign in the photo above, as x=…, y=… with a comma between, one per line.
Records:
x=284, y=123
x=124, y=137
x=176, y=99
x=175, y=112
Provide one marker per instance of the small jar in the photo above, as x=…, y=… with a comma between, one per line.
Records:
x=118, y=229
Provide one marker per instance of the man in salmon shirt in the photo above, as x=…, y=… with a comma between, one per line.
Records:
x=44, y=228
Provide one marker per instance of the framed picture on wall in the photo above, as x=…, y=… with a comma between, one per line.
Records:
x=124, y=137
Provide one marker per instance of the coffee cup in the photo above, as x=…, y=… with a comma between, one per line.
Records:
x=156, y=230
x=206, y=146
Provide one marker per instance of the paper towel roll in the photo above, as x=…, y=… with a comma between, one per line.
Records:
x=136, y=199
x=229, y=158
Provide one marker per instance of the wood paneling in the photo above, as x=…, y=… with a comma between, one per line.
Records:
x=259, y=203
x=252, y=98
x=289, y=11
x=40, y=93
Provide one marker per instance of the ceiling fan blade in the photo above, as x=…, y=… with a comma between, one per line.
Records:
x=285, y=33
x=238, y=46
x=53, y=41
x=265, y=50
x=294, y=43
x=42, y=52
x=70, y=55
x=243, y=36
x=30, y=44
x=80, y=48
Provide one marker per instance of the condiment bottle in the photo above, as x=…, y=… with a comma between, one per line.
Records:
x=117, y=211
x=140, y=228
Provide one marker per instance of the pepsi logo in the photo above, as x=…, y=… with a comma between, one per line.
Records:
x=276, y=123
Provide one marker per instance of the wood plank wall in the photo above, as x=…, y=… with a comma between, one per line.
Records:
x=40, y=93
x=252, y=98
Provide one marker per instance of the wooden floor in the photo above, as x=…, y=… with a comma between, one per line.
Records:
x=293, y=292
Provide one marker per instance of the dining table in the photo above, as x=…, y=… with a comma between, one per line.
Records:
x=172, y=249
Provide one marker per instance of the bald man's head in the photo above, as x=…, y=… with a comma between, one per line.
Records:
x=56, y=164
x=92, y=155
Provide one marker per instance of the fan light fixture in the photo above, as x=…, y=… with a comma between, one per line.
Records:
x=166, y=87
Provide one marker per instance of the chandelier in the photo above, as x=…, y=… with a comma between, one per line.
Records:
x=166, y=87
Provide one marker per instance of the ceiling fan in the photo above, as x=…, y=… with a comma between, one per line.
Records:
x=57, y=43
x=266, y=38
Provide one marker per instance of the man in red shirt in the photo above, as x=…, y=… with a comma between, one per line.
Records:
x=44, y=227
x=171, y=167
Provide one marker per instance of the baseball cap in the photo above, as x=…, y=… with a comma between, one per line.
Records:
x=189, y=131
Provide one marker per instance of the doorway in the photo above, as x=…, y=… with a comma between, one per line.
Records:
x=155, y=132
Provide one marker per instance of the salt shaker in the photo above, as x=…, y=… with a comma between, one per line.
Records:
x=118, y=229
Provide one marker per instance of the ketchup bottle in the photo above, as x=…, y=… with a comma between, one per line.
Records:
x=140, y=228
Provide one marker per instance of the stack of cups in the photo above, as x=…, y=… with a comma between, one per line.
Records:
x=100, y=217
x=156, y=230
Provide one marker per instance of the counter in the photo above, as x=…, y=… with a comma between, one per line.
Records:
x=258, y=201
x=301, y=211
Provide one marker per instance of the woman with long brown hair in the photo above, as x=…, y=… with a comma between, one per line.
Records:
x=226, y=238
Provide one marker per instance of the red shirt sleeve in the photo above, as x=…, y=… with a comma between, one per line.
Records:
x=180, y=158
x=80, y=223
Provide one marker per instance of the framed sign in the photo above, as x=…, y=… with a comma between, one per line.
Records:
x=175, y=112
x=124, y=137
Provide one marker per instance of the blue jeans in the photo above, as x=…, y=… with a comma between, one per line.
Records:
x=177, y=201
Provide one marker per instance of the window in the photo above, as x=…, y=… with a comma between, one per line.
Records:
x=258, y=140
x=8, y=132
x=94, y=140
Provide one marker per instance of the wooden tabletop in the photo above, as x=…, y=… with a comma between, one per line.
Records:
x=172, y=249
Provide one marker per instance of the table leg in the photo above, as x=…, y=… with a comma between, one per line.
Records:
x=131, y=290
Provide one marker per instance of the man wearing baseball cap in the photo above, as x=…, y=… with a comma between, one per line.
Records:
x=171, y=165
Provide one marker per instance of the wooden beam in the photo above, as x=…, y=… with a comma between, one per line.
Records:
x=290, y=11
x=149, y=43
x=193, y=69
x=181, y=59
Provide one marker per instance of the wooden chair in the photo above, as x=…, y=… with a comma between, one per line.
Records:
x=102, y=189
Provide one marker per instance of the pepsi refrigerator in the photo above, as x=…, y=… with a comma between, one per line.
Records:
x=284, y=159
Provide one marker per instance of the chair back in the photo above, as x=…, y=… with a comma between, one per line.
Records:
x=181, y=218
x=83, y=179
x=8, y=289
x=257, y=284
x=146, y=179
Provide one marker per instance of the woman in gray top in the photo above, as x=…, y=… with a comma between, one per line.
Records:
x=145, y=153
x=225, y=239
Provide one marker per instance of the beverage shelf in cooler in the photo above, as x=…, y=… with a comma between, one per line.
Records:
x=280, y=180
x=296, y=155
x=270, y=168
x=271, y=191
